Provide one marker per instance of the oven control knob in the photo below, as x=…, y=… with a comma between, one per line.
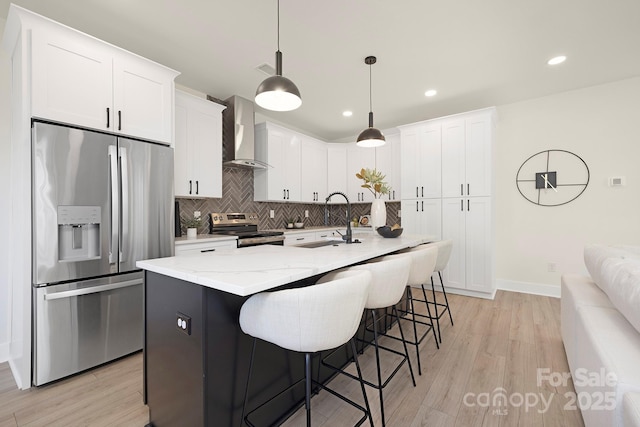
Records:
x=215, y=218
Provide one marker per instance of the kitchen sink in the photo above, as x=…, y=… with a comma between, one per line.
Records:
x=320, y=243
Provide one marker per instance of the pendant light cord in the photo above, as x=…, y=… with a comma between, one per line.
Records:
x=278, y=25
x=370, y=102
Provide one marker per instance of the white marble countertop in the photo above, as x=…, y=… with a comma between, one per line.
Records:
x=204, y=238
x=246, y=271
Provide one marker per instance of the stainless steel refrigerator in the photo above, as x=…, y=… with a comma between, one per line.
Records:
x=99, y=204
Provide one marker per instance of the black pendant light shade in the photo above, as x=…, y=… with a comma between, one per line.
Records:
x=370, y=137
x=278, y=93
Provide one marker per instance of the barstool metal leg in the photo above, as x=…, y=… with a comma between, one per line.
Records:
x=364, y=391
x=404, y=344
x=435, y=305
x=377, y=349
x=426, y=302
x=307, y=386
x=445, y=297
x=415, y=330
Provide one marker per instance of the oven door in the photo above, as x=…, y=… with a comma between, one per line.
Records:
x=261, y=240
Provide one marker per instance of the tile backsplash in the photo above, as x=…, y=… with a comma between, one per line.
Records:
x=237, y=196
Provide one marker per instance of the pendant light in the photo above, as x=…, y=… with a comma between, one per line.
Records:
x=278, y=93
x=370, y=137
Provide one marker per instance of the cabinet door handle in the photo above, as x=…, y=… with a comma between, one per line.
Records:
x=287, y=194
x=207, y=250
x=422, y=190
x=462, y=189
x=461, y=205
x=197, y=187
x=394, y=194
x=417, y=210
x=300, y=238
x=416, y=191
x=119, y=120
x=190, y=186
x=108, y=118
x=284, y=194
x=468, y=191
x=467, y=205
x=423, y=206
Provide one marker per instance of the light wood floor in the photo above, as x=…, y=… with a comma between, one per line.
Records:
x=494, y=348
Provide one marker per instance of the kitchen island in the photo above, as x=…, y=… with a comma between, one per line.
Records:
x=196, y=357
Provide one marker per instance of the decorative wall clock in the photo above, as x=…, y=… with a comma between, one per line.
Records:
x=552, y=177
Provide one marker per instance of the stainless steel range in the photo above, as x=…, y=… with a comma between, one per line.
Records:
x=245, y=226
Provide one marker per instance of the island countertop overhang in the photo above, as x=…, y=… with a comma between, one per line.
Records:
x=246, y=271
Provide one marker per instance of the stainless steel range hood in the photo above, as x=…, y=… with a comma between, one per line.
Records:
x=238, y=134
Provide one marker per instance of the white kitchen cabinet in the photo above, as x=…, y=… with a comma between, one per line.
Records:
x=198, y=147
x=280, y=148
x=388, y=161
x=422, y=216
x=79, y=80
x=189, y=247
x=313, y=178
x=467, y=155
x=359, y=158
x=336, y=171
x=468, y=222
x=420, y=159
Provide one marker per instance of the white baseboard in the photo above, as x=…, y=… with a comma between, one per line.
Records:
x=529, y=288
x=4, y=352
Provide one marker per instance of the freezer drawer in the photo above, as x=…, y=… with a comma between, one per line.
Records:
x=84, y=324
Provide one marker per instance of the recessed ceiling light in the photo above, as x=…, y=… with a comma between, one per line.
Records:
x=557, y=60
x=430, y=92
x=347, y=113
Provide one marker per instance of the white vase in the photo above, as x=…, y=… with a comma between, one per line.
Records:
x=192, y=233
x=378, y=213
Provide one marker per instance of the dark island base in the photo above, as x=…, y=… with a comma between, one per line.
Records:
x=198, y=376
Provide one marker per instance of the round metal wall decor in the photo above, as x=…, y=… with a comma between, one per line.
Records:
x=552, y=177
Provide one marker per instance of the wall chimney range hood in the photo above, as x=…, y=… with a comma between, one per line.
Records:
x=238, y=139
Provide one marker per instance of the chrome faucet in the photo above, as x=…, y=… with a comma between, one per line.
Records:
x=347, y=236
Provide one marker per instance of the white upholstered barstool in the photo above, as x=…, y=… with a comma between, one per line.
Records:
x=309, y=320
x=423, y=263
x=389, y=279
x=444, y=253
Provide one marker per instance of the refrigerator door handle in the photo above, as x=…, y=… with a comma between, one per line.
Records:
x=113, y=202
x=92, y=290
x=124, y=172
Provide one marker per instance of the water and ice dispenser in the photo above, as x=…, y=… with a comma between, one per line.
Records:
x=78, y=233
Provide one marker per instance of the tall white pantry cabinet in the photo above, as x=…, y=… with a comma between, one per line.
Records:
x=447, y=192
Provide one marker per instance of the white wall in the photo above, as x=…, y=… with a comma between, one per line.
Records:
x=601, y=125
x=5, y=156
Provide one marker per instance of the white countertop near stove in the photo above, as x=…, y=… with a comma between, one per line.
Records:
x=246, y=271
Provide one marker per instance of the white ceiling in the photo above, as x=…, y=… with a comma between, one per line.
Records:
x=476, y=53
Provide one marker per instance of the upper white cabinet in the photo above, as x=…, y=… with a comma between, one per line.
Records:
x=313, y=179
x=280, y=148
x=80, y=80
x=467, y=155
x=359, y=158
x=336, y=170
x=388, y=161
x=198, y=147
x=420, y=158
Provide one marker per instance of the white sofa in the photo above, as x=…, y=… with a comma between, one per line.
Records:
x=601, y=334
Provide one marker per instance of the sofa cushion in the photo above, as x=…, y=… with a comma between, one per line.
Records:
x=596, y=254
x=605, y=344
x=621, y=283
x=631, y=409
x=576, y=291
